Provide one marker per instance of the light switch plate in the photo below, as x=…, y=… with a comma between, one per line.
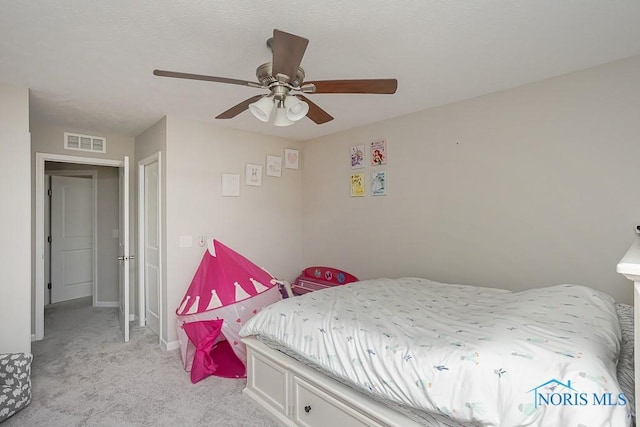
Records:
x=186, y=241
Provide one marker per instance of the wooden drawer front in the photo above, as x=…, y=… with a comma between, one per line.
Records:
x=323, y=409
x=269, y=381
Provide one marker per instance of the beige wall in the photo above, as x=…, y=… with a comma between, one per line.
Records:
x=518, y=189
x=532, y=186
x=263, y=224
x=15, y=221
x=49, y=138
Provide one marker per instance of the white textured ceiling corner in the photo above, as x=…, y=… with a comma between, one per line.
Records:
x=89, y=63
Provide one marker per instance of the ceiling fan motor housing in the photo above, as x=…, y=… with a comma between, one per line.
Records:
x=265, y=77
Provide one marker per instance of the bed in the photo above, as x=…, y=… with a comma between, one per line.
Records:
x=410, y=352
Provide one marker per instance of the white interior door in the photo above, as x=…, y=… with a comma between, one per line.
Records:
x=125, y=256
x=71, y=238
x=152, y=247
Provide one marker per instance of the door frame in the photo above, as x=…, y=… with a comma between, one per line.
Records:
x=124, y=251
x=142, y=295
x=93, y=174
x=41, y=158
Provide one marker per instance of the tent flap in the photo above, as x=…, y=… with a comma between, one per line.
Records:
x=203, y=335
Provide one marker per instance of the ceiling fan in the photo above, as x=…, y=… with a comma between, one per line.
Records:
x=285, y=81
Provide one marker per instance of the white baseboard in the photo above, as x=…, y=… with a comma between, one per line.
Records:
x=168, y=346
x=106, y=304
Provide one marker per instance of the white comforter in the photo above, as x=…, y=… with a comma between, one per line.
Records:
x=542, y=357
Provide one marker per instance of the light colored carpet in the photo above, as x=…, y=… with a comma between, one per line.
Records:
x=83, y=374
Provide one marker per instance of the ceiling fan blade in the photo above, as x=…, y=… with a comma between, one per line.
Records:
x=376, y=86
x=239, y=108
x=317, y=114
x=288, y=50
x=163, y=73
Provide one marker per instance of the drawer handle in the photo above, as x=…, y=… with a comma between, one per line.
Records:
x=307, y=409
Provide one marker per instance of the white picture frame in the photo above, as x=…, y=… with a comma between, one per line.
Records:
x=253, y=175
x=274, y=166
x=230, y=184
x=378, y=152
x=357, y=156
x=357, y=183
x=291, y=158
x=379, y=183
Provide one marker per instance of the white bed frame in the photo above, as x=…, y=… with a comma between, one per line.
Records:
x=297, y=395
x=629, y=266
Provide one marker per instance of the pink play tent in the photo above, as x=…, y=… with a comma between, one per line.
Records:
x=226, y=291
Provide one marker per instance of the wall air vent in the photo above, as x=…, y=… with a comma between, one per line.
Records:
x=75, y=141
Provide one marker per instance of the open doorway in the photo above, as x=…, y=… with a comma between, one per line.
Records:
x=122, y=257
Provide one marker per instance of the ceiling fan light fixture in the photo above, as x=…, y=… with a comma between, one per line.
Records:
x=262, y=108
x=281, y=118
x=295, y=108
x=283, y=76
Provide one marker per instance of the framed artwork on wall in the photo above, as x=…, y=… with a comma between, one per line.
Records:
x=231, y=184
x=357, y=156
x=274, y=166
x=378, y=152
x=379, y=183
x=253, y=175
x=357, y=184
x=291, y=158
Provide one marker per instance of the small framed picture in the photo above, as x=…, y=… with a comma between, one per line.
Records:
x=274, y=166
x=291, y=158
x=357, y=156
x=379, y=183
x=231, y=184
x=253, y=175
x=378, y=153
x=357, y=184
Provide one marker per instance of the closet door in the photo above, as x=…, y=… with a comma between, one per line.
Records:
x=71, y=238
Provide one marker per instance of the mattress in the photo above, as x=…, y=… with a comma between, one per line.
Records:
x=480, y=356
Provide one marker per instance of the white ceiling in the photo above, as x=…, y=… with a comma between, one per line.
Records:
x=89, y=63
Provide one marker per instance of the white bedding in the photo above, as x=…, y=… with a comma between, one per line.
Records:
x=480, y=355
